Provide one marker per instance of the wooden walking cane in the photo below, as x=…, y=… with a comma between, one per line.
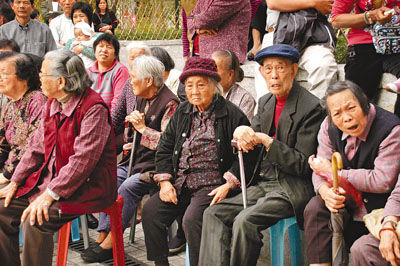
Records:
x=242, y=173
x=339, y=254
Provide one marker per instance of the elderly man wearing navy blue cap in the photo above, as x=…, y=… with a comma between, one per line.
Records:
x=282, y=136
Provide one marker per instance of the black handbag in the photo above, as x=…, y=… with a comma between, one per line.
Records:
x=303, y=28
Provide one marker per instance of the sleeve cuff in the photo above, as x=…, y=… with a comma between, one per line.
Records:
x=162, y=177
x=54, y=195
x=231, y=179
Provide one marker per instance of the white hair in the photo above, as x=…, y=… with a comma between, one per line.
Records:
x=147, y=66
x=139, y=45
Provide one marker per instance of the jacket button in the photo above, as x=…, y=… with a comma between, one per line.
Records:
x=222, y=160
x=184, y=134
x=365, y=200
x=88, y=179
x=176, y=152
x=218, y=140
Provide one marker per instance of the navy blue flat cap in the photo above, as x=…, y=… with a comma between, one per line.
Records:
x=278, y=50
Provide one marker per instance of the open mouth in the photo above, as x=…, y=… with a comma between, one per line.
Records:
x=353, y=127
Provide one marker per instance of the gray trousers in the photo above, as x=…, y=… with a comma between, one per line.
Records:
x=38, y=240
x=365, y=251
x=232, y=235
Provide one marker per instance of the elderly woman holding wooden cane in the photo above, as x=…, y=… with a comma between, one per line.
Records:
x=367, y=138
x=192, y=161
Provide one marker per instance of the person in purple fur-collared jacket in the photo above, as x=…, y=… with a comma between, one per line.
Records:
x=221, y=24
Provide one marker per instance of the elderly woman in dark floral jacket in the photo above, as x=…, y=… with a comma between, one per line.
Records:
x=19, y=81
x=192, y=161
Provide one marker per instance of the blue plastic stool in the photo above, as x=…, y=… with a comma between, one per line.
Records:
x=75, y=229
x=277, y=240
x=187, y=263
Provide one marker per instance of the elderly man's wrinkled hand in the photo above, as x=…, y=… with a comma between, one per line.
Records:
x=37, y=209
x=319, y=165
x=137, y=120
x=389, y=247
x=246, y=138
x=168, y=192
x=8, y=192
x=333, y=201
x=323, y=6
x=219, y=193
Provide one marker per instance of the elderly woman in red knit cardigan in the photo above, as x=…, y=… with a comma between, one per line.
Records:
x=68, y=169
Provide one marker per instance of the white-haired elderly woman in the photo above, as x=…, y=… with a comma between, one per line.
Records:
x=155, y=105
x=127, y=100
x=68, y=169
x=192, y=161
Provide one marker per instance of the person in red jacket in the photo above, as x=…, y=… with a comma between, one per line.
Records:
x=68, y=169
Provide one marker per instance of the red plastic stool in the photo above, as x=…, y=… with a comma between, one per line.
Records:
x=115, y=212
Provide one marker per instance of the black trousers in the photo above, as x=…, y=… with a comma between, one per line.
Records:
x=158, y=216
x=365, y=67
x=38, y=240
x=318, y=232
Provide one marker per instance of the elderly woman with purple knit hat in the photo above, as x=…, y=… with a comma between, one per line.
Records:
x=193, y=161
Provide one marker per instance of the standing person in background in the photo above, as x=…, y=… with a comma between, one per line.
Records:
x=220, y=25
x=364, y=65
x=107, y=73
x=48, y=7
x=230, y=72
x=62, y=27
x=32, y=36
x=104, y=19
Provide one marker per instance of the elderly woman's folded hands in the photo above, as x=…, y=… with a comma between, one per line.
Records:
x=137, y=120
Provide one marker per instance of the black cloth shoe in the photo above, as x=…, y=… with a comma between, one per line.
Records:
x=176, y=245
x=92, y=221
x=96, y=254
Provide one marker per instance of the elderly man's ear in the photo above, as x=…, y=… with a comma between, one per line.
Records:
x=295, y=67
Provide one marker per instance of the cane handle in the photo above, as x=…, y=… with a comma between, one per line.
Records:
x=337, y=164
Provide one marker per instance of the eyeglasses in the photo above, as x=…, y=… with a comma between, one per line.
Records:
x=5, y=75
x=278, y=68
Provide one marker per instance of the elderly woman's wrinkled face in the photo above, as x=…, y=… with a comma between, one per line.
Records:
x=9, y=82
x=50, y=85
x=346, y=113
x=199, y=91
x=279, y=74
x=79, y=16
x=139, y=87
x=105, y=53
